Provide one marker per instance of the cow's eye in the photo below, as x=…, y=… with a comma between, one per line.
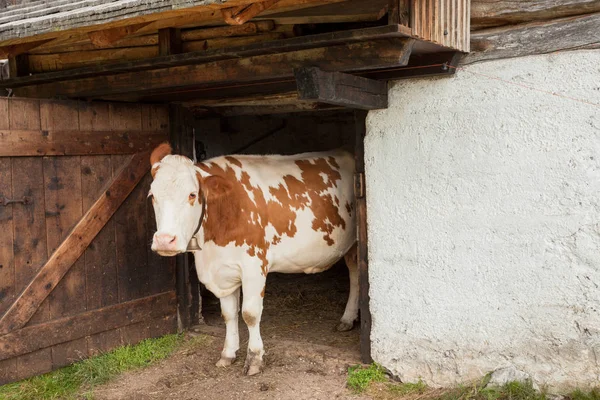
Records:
x=192, y=196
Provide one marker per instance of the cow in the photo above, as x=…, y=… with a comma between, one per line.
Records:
x=245, y=216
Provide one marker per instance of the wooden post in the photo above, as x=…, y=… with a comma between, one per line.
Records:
x=361, y=214
x=18, y=66
x=182, y=142
x=169, y=41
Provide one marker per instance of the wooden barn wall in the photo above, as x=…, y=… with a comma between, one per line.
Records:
x=118, y=291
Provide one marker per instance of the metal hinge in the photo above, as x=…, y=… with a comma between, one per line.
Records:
x=25, y=200
x=359, y=185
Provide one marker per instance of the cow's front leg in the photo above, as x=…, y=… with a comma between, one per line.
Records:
x=230, y=308
x=251, y=312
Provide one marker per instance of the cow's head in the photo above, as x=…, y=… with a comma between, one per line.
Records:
x=177, y=200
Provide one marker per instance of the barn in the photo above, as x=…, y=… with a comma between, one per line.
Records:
x=475, y=126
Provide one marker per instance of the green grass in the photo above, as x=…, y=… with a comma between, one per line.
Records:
x=372, y=380
x=67, y=383
x=359, y=378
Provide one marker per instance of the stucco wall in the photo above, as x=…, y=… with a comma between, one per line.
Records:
x=484, y=222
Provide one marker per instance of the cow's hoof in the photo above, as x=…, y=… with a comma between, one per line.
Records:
x=345, y=326
x=225, y=362
x=254, y=363
x=253, y=370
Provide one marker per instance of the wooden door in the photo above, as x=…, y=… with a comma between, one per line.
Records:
x=76, y=273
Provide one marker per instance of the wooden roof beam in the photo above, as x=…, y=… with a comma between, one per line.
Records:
x=340, y=89
x=107, y=37
x=242, y=14
x=348, y=57
x=16, y=49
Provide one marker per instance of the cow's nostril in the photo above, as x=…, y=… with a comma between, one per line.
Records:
x=173, y=240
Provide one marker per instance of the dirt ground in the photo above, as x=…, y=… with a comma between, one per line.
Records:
x=306, y=358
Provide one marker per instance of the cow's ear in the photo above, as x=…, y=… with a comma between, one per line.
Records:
x=216, y=186
x=163, y=150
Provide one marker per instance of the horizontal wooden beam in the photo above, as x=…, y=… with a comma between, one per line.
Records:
x=40, y=336
x=15, y=143
x=107, y=37
x=352, y=57
x=340, y=89
x=16, y=49
x=59, y=263
x=535, y=38
x=433, y=64
x=231, y=111
x=490, y=13
x=284, y=45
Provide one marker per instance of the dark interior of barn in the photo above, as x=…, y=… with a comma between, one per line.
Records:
x=304, y=307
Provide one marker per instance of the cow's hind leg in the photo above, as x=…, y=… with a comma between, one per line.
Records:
x=351, y=312
x=230, y=308
x=254, y=290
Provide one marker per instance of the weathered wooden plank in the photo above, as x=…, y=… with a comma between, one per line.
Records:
x=220, y=43
x=34, y=363
x=436, y=64
x=490, y=13
x=444, y=22
x=156, y=327
x=352, y=57
x=349, y=11
x=106, y=37
x=8, y=371
x=62, y=200
x=28, y=221
x=130, y=219
x=340, y=89
x=100, y=256
x=79, y=326
x=131, y=227
x=63, y=203
x=72, y=143
x=250, y=28
x=7, y=264
x=15, y=50
x=74, y=245
x=297, y=43
x=77, y=59
x=103, y=342
x=535, y=38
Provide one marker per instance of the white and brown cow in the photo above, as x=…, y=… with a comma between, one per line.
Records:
x=263, y=214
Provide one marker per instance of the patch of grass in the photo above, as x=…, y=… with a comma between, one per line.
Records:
x=359, y=377
x=403, y=389
x=67, y=382
x=593, y=394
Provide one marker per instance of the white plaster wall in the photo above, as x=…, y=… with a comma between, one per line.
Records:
x=484, y=222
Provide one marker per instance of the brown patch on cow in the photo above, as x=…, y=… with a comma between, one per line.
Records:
x=249, y=319
x=232, y=202
x=234, y=161
x=262, y=293
x=333, y=162
x=276, y=239
x=349, y=208
x=160, y=152
x=154, y=170
x=337, y=201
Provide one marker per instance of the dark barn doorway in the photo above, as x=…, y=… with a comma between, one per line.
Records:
x=301, y=307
